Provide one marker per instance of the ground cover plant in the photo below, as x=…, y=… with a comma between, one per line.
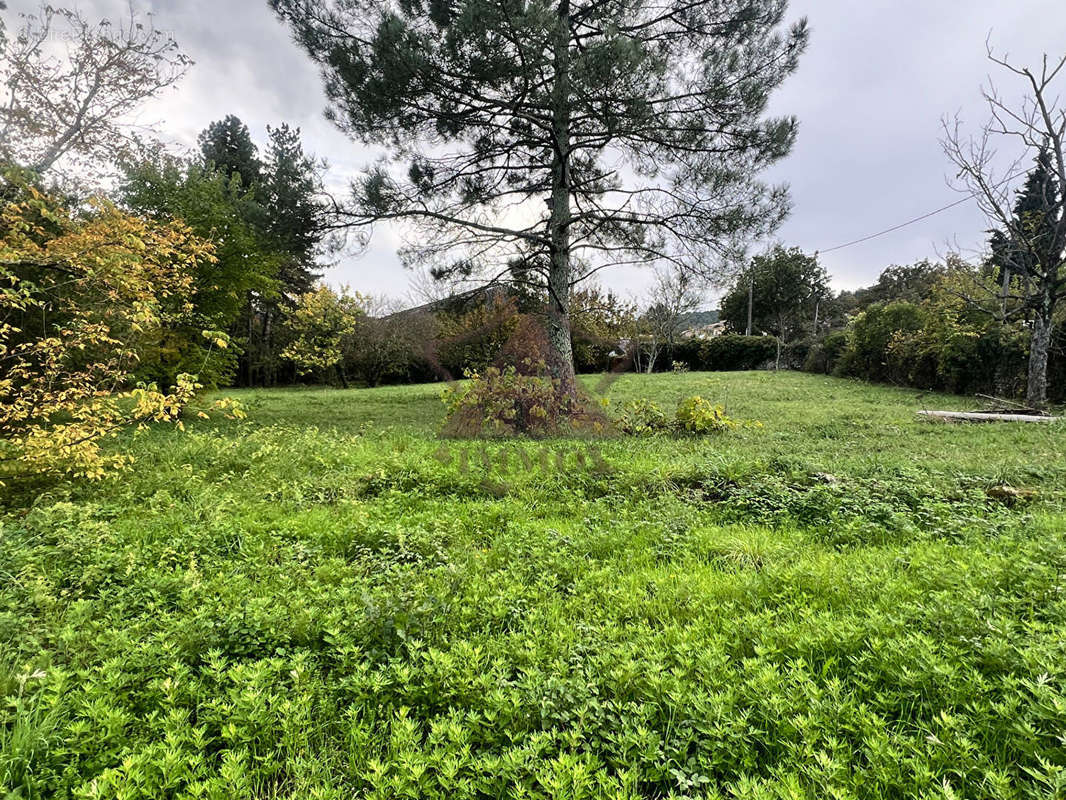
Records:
x=328, y=600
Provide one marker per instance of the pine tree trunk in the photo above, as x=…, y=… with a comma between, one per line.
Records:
x=561, y=357
x=1039, y=346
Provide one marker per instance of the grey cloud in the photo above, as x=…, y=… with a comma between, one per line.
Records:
x=869, y=95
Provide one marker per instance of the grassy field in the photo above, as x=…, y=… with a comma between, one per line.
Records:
x=328, y=601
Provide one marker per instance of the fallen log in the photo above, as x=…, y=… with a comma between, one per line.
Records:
x=1012, y=495
x=999, y=405
x=974, y=416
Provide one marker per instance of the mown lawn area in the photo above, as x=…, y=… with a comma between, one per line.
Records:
x=328, y=601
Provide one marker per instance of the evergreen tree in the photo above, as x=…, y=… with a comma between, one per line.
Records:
x=291, y=193
x=281, y=197
x=226, y=146
x=1034, y=226
x=579, y=131
x=227, y=149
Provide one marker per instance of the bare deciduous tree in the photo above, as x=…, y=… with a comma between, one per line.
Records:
x=68, y=85
x=1035, y=274
x=674, y=294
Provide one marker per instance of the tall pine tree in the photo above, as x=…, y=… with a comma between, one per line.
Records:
x=291, y=192
x=569, y=132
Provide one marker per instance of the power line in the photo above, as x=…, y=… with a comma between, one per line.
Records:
x=918, y=219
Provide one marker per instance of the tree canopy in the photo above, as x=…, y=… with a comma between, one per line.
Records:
x=64, y=106
x=787, y=289
x=291, y=192
x=267, y=220
x=220, y=210
x=81, y=290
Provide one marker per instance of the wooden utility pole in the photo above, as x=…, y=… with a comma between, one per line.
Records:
x=751, y=295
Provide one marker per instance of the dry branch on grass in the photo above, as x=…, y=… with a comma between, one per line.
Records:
x=973, y=416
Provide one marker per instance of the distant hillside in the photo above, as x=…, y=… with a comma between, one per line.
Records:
x=695, y=319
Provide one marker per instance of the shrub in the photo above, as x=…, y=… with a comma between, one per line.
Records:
x=794, y=354
x=506, y=403
x=685, y=351
x=335, y=337
x=591, y=356
x=79, y=293
x=824, y=356
x=870, y=335
x=599, y=321
x=693, y=415
x=393, y=349
x=911, y=358
x=642, y=417
x=735, y=352
x=325, y=325
x=696, y=415
x=473, y=339
x=936, y=346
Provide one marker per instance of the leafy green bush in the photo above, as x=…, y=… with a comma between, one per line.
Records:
x=729, y=352
x=685, y=351
x=735, y=352
x=472, y=338
x=794, y=354
x=824, y=356
x=940, y=345
x=696, y=415
x=642, y=417
x=869, y=337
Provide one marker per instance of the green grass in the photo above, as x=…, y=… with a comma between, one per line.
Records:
x=327, y=601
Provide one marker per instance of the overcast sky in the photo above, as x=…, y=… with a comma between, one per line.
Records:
x=869, y=94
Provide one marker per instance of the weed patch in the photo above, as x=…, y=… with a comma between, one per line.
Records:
x=316, y=603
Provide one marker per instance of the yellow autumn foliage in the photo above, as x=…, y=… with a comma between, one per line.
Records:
x=78, y=291
x=324, y=323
